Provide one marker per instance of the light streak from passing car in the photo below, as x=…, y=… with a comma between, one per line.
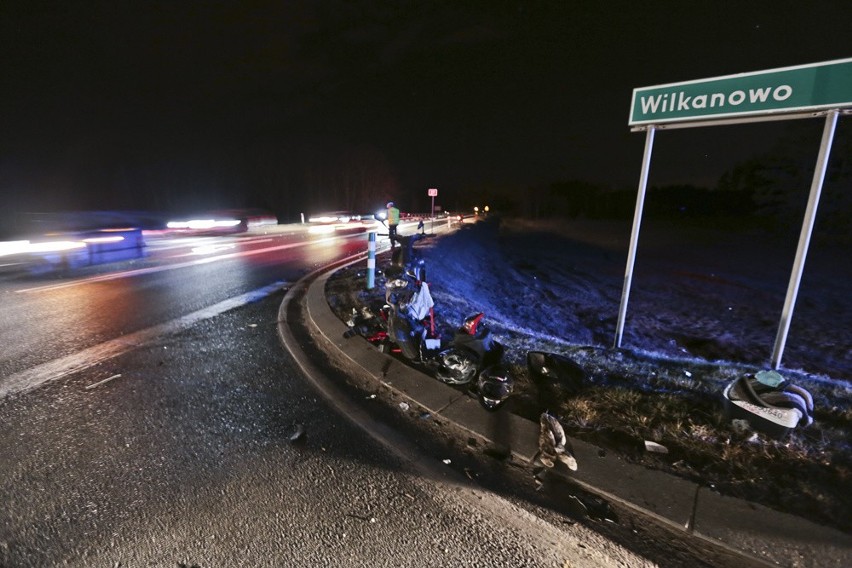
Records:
x=27, y=247
x=103, y=240
x=210, y=249
x=321, y=229
x=154, y=269
x=203, y=224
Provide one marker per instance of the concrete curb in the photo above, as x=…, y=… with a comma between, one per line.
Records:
x=756, y=533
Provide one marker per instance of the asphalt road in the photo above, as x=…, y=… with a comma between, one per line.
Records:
x=186, y=459
x=147, y=421
x=46, y=317
x=173, y=445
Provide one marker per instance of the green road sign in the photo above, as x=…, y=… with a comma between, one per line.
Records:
x=803, y=88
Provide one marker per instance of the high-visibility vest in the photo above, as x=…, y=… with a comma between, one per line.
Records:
x=393, y=216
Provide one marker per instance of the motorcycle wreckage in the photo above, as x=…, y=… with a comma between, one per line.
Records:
x=406, y=327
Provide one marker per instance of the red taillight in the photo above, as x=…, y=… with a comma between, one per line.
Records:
x=469, y=325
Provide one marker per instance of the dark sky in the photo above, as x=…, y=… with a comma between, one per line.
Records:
x=133, y=104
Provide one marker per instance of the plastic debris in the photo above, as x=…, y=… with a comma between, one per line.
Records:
x=687, y=373
x=298, y=435
x=553, y=445
x=404, y=406
x=769, y=378
x=106, y=380
x=740, y=426
x=447, y=462
x=655, y=447
x=553, y=373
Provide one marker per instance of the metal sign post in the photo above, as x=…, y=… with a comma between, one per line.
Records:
x=805, y=237
x=804, y=91
x=634, y=235
x=433, y=193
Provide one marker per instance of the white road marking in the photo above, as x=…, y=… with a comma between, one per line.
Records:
x=33, y=378
x=106, y=380
x=52, y=370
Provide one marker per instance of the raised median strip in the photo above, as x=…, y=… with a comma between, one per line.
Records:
x=760, y=535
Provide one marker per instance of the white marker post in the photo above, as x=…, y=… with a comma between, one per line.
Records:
x=371, y=260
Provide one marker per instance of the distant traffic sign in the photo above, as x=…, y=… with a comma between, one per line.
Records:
x=432, y=192
x=803, y=88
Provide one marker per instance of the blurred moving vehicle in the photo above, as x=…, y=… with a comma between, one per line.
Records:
x=333, y=217
x=339, y=221
x=221, y=222
x=72, y=249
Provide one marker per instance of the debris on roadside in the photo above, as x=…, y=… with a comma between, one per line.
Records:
x=365, y=518
x=553, y=445
x=655, y=447
x=769, y=403
x=576, y=508
x=298, y=435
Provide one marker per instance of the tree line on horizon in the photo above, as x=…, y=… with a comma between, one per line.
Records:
x=774, y=187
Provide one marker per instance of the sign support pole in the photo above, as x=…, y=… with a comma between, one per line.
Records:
x=433, y=193
x=800, y=91
x=805, y=236
x=634, y=236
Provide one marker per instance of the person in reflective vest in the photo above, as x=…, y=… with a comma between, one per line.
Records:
x=393, y=221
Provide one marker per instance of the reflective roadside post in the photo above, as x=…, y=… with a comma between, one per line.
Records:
x=371, y=260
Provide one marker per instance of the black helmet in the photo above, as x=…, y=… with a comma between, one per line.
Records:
x=494, y=386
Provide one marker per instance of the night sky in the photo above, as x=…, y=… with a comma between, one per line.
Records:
x=171, y=105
